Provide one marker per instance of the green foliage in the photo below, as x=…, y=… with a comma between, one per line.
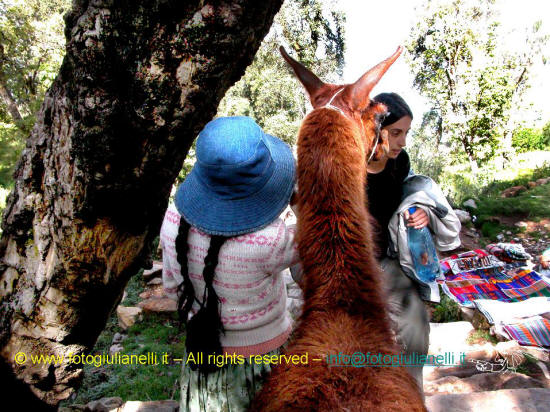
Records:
x=472, y=80
x=428, y=157
x=11, y=145
x=446, y=311
x=268, y=92
x=31, y=49
x=526, y=139
x=546, y=134
x=4, y=192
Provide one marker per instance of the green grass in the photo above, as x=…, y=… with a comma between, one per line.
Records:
x=481, y=336
x=134, y=287
x=532, y=203
x=158, y=334
x=491, y=229
x=522, y=176
x=155, y=334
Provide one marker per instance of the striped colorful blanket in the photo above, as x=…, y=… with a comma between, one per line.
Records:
x=533, y=331
x=507, y=284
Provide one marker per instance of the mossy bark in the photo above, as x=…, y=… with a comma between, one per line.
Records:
x=138, y=82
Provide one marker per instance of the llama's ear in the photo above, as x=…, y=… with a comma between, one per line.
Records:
x=360, y=90
x=309, y=80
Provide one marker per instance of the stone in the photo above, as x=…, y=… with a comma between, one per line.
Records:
x=488, y=381
x=118, y=337
x=543, y=181
x=151, y=406
x=463, y=216
x=437, y=372
x=538, y=354
x=512, y=191
x=154, y=272
x=512, y=352
x=158, y=305
x=128, y=315
x=532, y=184
x=470, y=203
x=154, y=281
x=116, y=348
x=521, y=224
x=479, y=321
x=104, y=404
x=156, y=291
x=504, y=400
x=466, y=314
x=467, y=359
x=498, y=335
x=500, y=237
x=448, y=337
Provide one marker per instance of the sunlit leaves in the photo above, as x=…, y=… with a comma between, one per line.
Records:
x=313, y=32
x=471, y=77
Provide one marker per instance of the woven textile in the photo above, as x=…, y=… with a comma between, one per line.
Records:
x=517, y=279
x=466, y=295
x=465, y=283
x=539, y=288
x=533, y=331
x=473, y=275
x=508, y=284
x=508, y=252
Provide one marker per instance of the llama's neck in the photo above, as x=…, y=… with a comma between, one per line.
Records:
x=333, y=233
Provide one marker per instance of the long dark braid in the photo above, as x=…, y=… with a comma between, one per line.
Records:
x=203, y=329
x=186, y=293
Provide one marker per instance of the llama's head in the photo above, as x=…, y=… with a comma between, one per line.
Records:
x=352, y=100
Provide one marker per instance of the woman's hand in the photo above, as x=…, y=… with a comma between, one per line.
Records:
x=418, y=219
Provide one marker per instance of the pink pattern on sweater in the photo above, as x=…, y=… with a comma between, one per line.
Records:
x=248, y=279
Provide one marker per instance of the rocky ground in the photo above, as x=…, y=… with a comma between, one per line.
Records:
x=493, y=377
x=535, y=237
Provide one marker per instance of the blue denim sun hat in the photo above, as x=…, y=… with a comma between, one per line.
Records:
x=241, y=182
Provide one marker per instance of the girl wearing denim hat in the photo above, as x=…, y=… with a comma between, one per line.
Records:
x=224, y=247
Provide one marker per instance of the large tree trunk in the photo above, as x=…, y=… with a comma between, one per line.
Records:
x=138, y=82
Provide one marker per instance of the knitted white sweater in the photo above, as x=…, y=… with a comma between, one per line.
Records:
x=248, y=281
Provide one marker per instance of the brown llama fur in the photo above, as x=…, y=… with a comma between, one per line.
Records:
x=344, y=310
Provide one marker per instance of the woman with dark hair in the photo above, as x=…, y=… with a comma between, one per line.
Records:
x=224, y=248
x=386, y=175
x=384, y=191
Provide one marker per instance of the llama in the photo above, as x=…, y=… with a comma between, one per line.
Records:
x=344, y=311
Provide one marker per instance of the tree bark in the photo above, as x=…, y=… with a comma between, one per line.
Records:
x=138, y=82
